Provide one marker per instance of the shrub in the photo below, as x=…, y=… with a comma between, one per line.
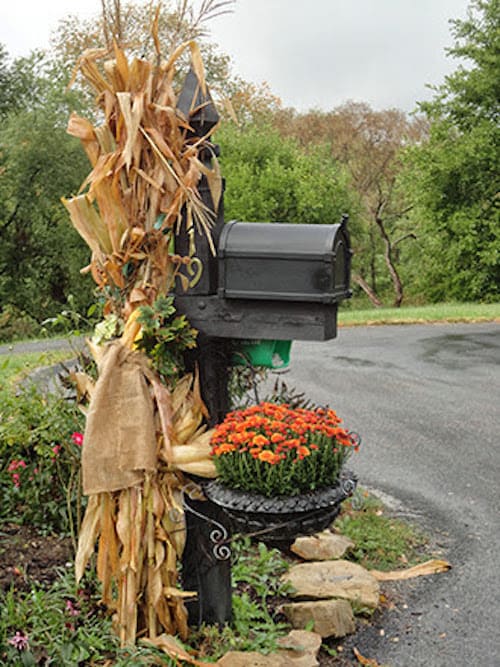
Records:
x=40, y=438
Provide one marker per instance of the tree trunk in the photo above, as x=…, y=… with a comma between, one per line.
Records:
x=367, y=290
x=396, y=280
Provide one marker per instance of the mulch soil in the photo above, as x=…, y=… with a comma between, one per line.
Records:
x=28, y=558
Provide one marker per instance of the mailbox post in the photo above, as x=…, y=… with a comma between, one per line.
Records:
x=266, y=281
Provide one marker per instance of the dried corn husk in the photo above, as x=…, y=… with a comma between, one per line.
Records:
x=140, y=530
x=145, y=172
x=141, y=190
x=434, y=566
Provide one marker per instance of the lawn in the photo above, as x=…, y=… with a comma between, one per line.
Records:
x=439, y=312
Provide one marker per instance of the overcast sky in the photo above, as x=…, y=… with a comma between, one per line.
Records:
x=312, y=53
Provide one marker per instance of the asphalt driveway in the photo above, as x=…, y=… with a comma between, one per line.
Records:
x=426, y=401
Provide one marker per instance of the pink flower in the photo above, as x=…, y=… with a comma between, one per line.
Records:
x=19, y=641
x=16, y=479
x=71, y=609
x=15, y=464
x=56, y=449
x=77, y=438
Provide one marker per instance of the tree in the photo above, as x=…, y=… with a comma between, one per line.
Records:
x=40, y=255
x=247, y=103
x=273, y=180
x=129, y=24
x=455, y=175
x=369, y=145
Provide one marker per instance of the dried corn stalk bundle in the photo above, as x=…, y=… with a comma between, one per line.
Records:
x=145, y=172
x=135, y=514
x=140, y=435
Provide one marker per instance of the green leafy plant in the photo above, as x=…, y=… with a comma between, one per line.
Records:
x=70, y=322
x=381, y=541
x=63, y=625
x=274, y=449
x=257, y=623
x=40, y=440
x=165, y=337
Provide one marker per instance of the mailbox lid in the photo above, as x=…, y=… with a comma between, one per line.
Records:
x=267, y=239
x=281, y=261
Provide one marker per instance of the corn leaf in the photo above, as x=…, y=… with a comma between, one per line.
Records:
x=429, y=567
x=88, y=223
x=173, y=649
x=87, y=537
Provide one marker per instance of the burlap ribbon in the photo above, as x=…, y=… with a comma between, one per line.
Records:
x=120, y=438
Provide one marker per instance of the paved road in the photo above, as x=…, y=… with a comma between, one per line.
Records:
x=426, y=400
x=41, y=345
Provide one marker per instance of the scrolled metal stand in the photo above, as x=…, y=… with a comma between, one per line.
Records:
x=218, y=536
x=206, y=564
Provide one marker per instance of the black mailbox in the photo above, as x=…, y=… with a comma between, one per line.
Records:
x=284, y=262
x=275, y=281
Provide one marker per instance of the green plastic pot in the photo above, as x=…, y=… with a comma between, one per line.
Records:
x=265, y=353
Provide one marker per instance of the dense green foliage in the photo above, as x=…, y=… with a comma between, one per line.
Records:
x=40, y=459
x=271, y=179
x=40, y=254
x=454, y=178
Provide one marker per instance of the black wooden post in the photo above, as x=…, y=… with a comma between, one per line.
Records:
x=267, y=282
x=206, y=566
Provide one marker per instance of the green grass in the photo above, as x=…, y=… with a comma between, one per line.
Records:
x=439, y=312
x=381, y=541
x=14, y=367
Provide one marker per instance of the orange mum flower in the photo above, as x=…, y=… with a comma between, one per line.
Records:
x=303, y=452
x=225, y=448
x=268, y=457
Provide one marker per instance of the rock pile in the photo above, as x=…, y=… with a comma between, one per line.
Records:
x=326, y=589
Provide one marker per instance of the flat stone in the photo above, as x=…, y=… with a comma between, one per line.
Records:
x=331, y=618
x=322, y=546
x=333, y=579
x=250, y=659
x=298, y=649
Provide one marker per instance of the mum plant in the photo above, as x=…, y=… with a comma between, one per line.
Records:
x=276, y=450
